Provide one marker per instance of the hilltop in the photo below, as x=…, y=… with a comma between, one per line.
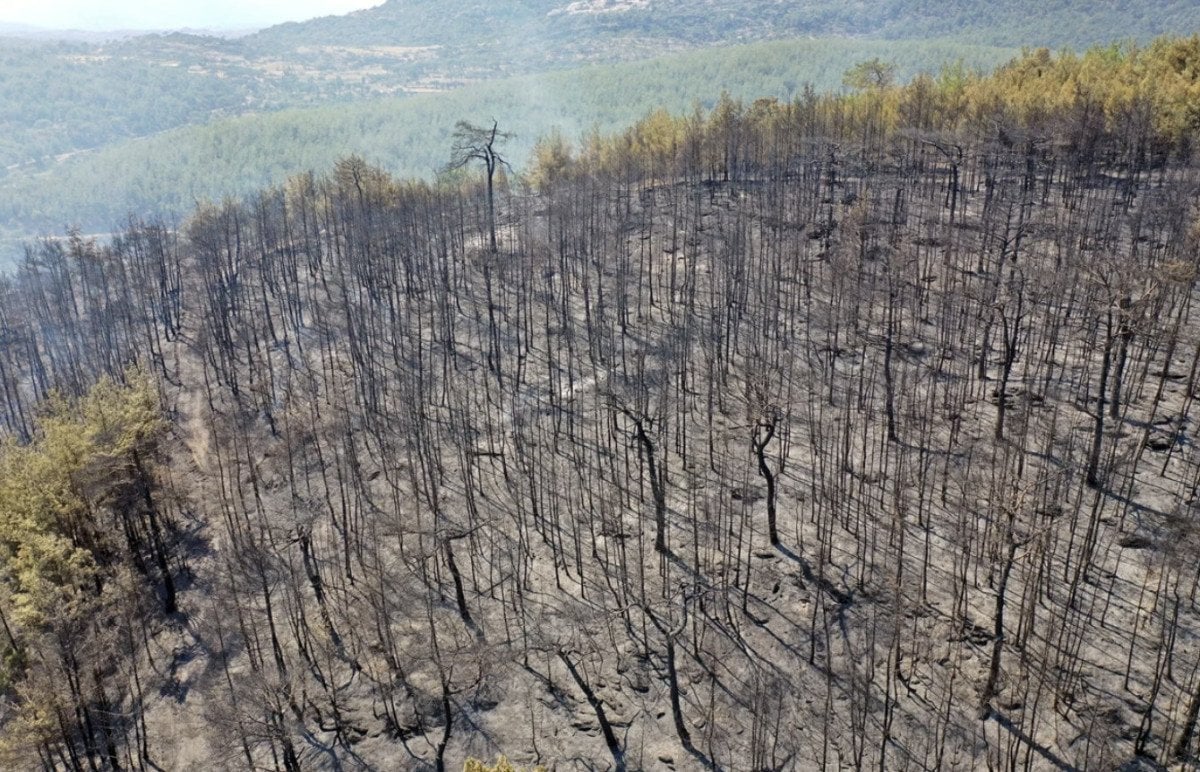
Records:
x=72, y=107
x=409, y=136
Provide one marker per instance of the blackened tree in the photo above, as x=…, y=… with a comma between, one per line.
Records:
x=478, y=143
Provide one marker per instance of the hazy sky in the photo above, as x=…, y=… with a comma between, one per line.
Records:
x=169, y=14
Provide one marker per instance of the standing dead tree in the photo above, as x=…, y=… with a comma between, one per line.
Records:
x=477, y=143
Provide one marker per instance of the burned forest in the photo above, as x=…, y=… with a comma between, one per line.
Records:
x=845, y=433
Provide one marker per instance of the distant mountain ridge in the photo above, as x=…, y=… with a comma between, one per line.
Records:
x=30, y=32
x=488, y=24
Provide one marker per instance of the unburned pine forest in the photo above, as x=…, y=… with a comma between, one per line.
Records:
x=855, y=431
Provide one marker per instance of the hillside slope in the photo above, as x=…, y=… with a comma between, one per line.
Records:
x=764, y=440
